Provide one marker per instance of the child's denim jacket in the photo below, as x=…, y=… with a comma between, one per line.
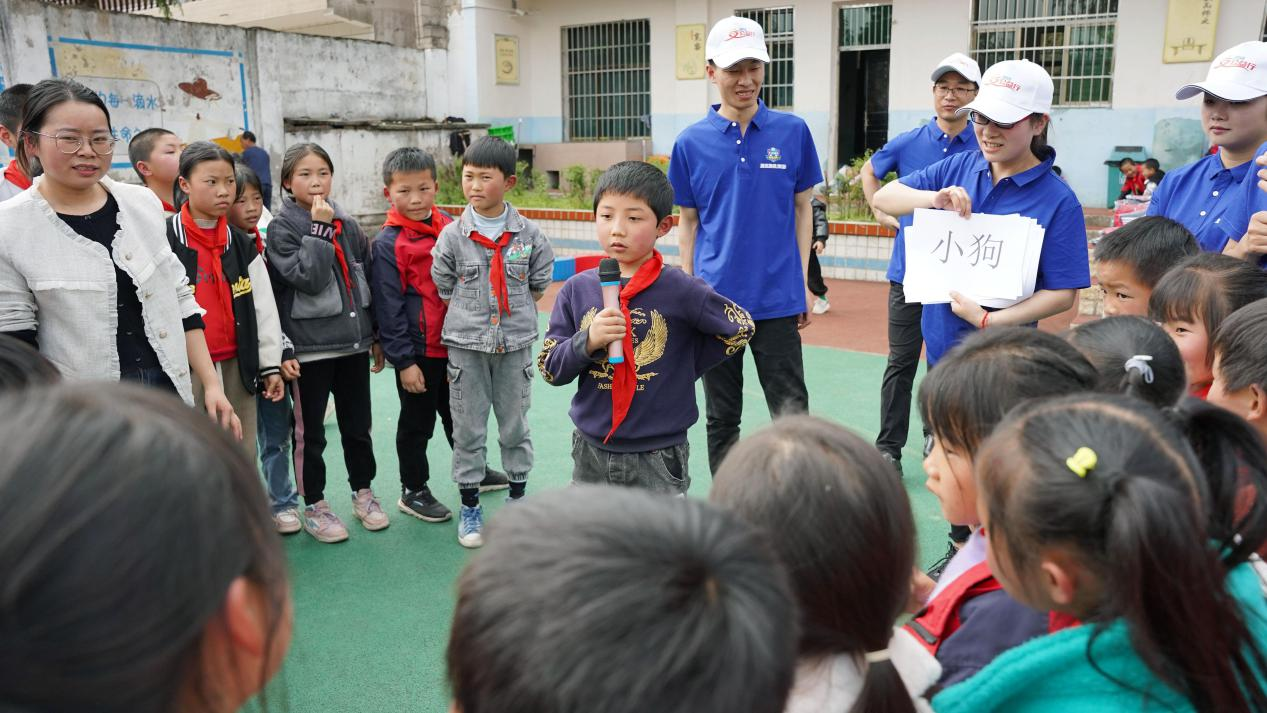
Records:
x=460, y=268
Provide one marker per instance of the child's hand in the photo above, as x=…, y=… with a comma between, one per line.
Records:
x=322, y=212
x=273, y=389
x=412, y=380
x=290, y=369
x=608, y=326
x=952, y=198
x=380, y=361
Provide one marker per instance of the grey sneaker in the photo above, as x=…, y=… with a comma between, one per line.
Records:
x=323, y=524
x=287, y=521
x=494, y=480
x=368, y=510
x=471, y=527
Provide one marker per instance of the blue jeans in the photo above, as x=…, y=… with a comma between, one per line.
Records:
x=273, y=434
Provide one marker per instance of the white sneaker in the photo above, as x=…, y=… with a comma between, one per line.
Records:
x=323, y=524
x=821, y=305
x=287, y=521
x=368, y=510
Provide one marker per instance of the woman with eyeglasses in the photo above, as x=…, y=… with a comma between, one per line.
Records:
x=1012, y=174
x=86, y=274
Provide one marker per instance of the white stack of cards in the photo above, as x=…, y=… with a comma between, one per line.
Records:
x=991, y=259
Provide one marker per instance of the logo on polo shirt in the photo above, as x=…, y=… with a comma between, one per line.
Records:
x=241, y=287
x=1005, y=82
x=1237, y=63
x=772, y=156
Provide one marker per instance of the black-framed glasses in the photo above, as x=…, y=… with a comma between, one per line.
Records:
x=977, y=117
x=102, y=145
x=928, y=445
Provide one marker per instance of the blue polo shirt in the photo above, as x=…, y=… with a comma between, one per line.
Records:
x=1199, y=195
x=1037, y=193
x=907, y=153
x=744, y=188
x=1246, y=200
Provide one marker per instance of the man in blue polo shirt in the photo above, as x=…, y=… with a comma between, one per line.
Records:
x=743, y=177
x=955, y=83
x=257, y=159
x=1234, y=117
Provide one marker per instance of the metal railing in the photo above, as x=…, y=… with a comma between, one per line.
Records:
x=113, y=5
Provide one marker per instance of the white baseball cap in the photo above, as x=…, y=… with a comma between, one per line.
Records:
x=1238, y=74
x=1012, y=90
x=961, y=63
x=735, y=39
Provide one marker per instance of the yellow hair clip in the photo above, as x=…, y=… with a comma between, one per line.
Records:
x=1083, y=461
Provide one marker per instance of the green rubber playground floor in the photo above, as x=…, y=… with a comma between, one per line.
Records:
x=372, y=614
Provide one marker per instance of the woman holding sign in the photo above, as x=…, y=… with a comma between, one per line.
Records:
x=1011, y=175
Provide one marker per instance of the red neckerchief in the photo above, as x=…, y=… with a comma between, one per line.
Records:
x=168, y=207
x=1200, y=391
x=426, y=230
x=259, y=239
x=343, y=262
x=13, y=174
x=497, y=270
x=625, y=380
x=213, y=238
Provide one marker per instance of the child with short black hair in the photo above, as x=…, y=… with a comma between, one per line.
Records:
x=490, y=267
x=968, y=620
x=842, y=525
x=15, y=177
x=619, y=601
x=1097, y=511
x=1133, y=356
x=1192, y=300
x=155, y=156
x=1130, y=260
x=632, y=417
x=318, y=253
x=1240, y=365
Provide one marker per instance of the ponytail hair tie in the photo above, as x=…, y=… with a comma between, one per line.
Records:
x=877, y=656
x=1139, y=363
x=1083, y=461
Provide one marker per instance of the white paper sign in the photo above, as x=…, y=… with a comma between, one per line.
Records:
x=992, y=259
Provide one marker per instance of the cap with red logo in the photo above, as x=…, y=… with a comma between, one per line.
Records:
x=1012, y=90
x=1237, y=75
x=733, y=40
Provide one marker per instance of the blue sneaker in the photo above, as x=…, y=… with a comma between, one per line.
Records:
x=471, y=526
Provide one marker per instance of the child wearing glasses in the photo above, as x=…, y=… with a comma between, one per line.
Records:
x=86, y=274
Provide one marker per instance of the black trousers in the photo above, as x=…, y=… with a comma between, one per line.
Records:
x=348, y=380
x=814, y=278
x=905, y=341
x=776, y=348
x=417, y=421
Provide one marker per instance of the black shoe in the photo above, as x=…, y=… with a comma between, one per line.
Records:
x=894, y=461
x=494, y=480
x=423, y=505
x=939, y=566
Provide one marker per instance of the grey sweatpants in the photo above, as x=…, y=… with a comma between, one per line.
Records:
x=479, y=381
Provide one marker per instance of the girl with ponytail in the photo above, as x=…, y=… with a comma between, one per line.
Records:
x=842, y=525
x=1133, y=356
x=1099, y=509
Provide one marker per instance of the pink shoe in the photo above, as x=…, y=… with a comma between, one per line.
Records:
x=323, y=524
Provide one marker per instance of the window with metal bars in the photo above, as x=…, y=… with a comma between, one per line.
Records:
x=865, y=27
x=777, y=24
x=607, y=80
x=1072, y=39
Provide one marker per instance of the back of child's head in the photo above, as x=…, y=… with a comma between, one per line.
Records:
x=1241, y=348
x=640, y=180
x=841, y=523
x=407, y=159
x=127, y=519
x=621, y=601
x=991, y=371
x=295, y=154
x=1137, y=518
x=141, y=147
x=1133, y=356
x=11, y=101
x=490, y=152
x=200, y=152
x=22, y=366
x=1149, y=246
x=1206, y=288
